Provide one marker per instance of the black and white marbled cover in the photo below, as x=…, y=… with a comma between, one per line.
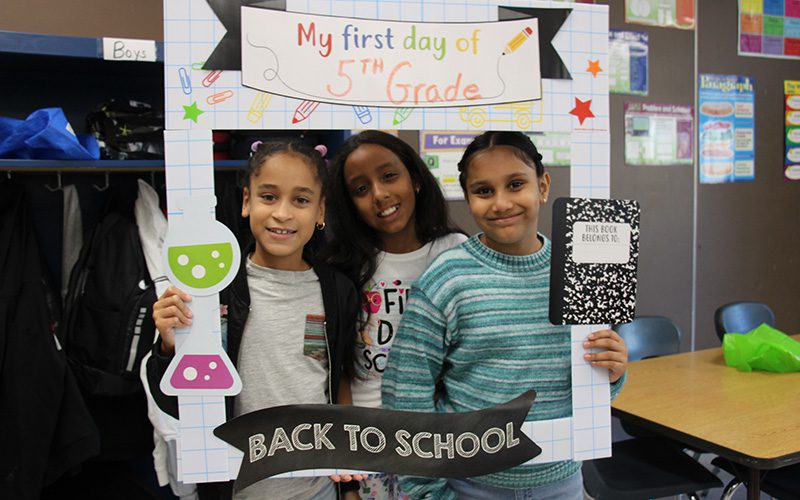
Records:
x=592, y=293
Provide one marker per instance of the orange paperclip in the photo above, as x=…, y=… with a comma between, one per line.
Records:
x=219, y=97
x=211, y=77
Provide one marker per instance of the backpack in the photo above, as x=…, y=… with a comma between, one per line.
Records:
x=108, y=312
x=128, y=130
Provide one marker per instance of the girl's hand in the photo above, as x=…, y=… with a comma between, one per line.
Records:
x=352, y=495
x=169, y=312
x=346, y=478
x=614, y=355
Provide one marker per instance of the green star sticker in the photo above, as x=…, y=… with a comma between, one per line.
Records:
x=192, y=112
x=123, y=131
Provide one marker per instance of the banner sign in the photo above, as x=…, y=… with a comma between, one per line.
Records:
x=366, y=62
x=298, y=437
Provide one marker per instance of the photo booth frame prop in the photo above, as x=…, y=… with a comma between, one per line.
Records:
x=574, y=99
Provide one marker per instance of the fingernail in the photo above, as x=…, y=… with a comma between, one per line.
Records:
x=587, y=356
x=591, y=336
x=586, y=344
x=189, y=314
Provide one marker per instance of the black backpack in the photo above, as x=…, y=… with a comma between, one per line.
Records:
x=108, y=312
x=128, y=130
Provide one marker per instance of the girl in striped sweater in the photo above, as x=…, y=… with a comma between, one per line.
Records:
x=477, y=322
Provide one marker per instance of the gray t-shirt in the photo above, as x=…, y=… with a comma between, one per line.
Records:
x=283, y=360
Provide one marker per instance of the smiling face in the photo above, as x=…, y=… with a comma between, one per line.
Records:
x=284, y=203
x=382, y=191
x=504, y=196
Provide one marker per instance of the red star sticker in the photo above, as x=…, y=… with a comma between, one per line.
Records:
x=594, y=67
x=581, y=110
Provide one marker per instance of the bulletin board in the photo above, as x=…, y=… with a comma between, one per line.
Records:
x=570, y=95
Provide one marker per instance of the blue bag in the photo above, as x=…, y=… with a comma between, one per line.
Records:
x=45, y=135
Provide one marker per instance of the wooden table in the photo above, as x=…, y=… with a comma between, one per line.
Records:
x=752, y=419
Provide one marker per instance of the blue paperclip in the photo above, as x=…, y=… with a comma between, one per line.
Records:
x=186, y=82
x=363, y=113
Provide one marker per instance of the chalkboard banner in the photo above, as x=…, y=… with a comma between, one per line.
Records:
x=298, y=437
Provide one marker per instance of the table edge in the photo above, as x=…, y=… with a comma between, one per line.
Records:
x=728, y=453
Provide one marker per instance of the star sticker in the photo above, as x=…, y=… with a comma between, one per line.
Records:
x=581, y=110
x=594, y=67
x=124, y=130
x=192, y=112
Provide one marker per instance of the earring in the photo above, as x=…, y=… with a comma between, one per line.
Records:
x=416, y=189
x=319, y=226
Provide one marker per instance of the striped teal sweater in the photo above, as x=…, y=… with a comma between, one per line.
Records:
x=477, y=319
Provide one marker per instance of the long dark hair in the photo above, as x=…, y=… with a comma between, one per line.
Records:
x=353, y=245
x=520, y=144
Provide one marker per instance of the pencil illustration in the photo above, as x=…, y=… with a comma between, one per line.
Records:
x=518, y=40
x=401, y=115
x=304, y=110
x=363, y=114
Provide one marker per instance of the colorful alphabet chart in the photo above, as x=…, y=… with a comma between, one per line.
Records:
x=769, y=28
x=792, y=123
x=396, y=64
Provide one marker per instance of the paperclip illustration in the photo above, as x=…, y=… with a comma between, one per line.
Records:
x=211, y=78
x=363, y=114
x=401, y=115
x=518, y=40
x=186, y=81
x=198, y=66
x=258, y=106
x=304, y=110
x=219, y=97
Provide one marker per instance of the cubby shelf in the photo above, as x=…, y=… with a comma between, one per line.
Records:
x=58, y=45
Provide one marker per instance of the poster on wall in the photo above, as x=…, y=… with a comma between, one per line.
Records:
x=665, y=13
x=769, y=28
x=792, y=123
x=627, y=56
x=726, y=129
x=658, y=134
x=442, y=151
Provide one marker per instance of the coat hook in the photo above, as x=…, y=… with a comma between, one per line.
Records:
x=102, y=188
x=57, y=188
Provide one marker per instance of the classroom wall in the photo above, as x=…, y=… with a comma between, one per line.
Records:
x=92, y=18
x=748, y=233
x=741, y=238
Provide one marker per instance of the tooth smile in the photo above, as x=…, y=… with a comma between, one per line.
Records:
x=388, y=211
x=280, y=231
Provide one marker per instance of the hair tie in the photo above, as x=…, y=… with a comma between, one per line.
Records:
x=255, y=146
x=321, y=149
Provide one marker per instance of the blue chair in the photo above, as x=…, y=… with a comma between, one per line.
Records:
x=646, y=467
x=649, y=336
x=741, y=317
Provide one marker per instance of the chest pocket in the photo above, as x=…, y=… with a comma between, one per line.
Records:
x=314, y=345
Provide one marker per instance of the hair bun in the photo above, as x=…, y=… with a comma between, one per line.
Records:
x=321, y=149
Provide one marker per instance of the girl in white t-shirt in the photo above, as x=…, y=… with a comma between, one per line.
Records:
x=388, y=221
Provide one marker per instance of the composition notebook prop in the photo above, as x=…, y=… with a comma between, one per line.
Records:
x=594, y=260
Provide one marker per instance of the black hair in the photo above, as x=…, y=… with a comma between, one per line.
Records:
x=354, y=246
x=520, y=144
x=268, y=149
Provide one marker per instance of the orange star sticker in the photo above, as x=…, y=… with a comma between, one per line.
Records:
x=594, y=67
x=581, y=110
